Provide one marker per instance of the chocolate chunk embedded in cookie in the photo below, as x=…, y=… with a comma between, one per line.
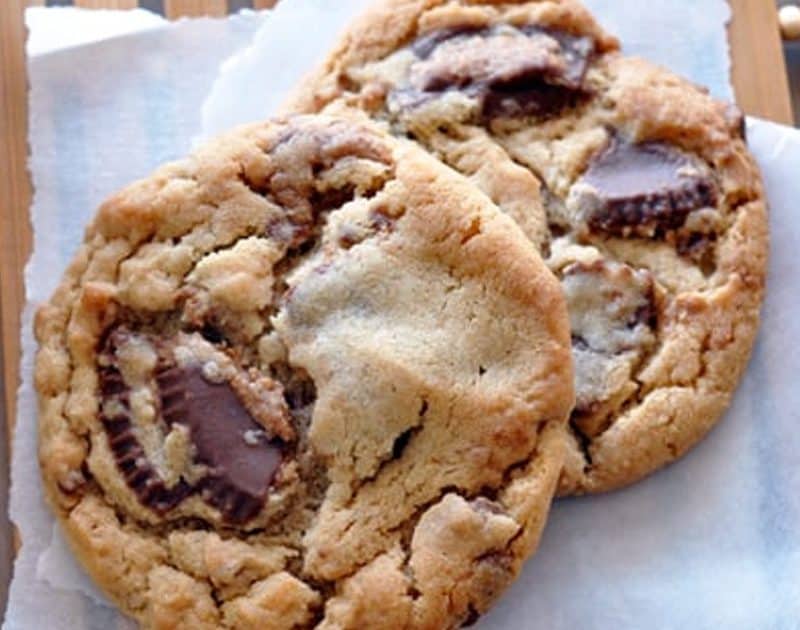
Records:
x=508, y=71
x=636, y=185
x=642, y=190
x=307, y=377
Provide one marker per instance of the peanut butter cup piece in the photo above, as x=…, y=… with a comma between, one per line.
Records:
x=642, y=189
x=238, y=456
x=241, y=460
x=510, y=71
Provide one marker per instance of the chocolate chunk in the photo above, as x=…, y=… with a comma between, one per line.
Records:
x=642, y=190
x=242, y=461
x=510, y=71
x=527, y=97
x=402, y=441
x=302, y=175
x=645, y=315
x=131, y=460
x=304, y=182
x=111, y=383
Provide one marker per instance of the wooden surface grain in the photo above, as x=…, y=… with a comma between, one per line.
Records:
x=15, y=242
x=759, y=77
x=759, y=68
x=15, y=193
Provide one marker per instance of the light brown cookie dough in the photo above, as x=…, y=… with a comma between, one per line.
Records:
x=307, y=377
x=635, y=184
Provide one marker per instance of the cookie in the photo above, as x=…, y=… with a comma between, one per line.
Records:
x=635, y=185
x=307, y=377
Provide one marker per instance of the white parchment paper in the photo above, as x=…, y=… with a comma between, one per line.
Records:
x=711, y=542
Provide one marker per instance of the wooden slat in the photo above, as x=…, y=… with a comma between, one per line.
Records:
x=174, y=9
x=759, y=68
x=15, y=192
x=15, y=242
x=264, y=4
x=107, y=4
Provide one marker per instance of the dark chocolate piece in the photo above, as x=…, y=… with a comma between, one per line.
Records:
x=644, y=189
x=528, y=97
x=211, y=333
x=645, y=315
x=402, y=441
x=131, y=460
x=332, y=199
x=242, y=461
x=511, y=71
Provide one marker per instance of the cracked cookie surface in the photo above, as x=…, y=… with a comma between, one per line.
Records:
x=307, y=377
x=635, y=185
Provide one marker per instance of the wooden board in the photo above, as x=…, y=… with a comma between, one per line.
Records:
x=15, y=235
x=759, y=77
x=759, y=67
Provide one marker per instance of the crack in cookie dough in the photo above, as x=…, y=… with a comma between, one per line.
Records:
x=635, y=184
x=299, y=359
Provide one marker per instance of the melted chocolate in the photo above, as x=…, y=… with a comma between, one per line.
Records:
x=645, y=189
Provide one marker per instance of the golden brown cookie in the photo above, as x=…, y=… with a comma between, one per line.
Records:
x=307, y=377
x=635, y=185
